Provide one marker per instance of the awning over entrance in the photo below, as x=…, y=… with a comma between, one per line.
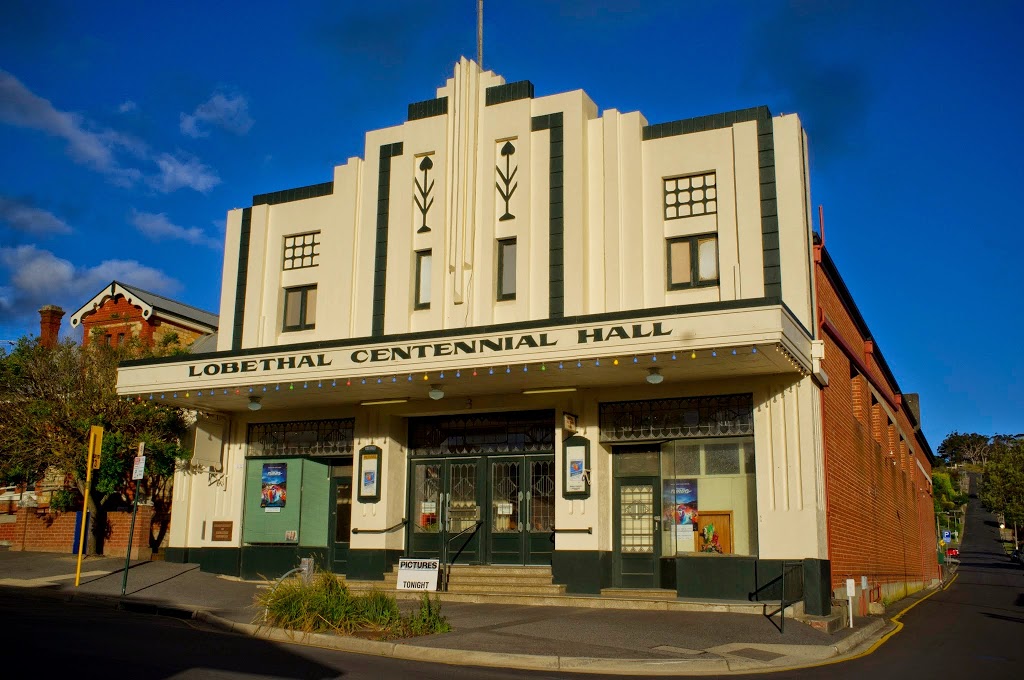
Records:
x=603, y=350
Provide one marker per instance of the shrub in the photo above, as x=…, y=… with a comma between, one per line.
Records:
x=428, y=619
x=324, y=604
x=64, y=500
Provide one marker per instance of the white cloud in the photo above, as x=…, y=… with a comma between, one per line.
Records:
x=93, y=148
x=228, y=112
x=127, y=107
x=157, y=227
x=176, y=173
x=37, y=277
x=98, y=148
x=32, y=220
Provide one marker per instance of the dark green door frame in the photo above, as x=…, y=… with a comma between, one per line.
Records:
x=636, y=513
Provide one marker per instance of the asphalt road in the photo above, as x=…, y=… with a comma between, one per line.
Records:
x=973, y=629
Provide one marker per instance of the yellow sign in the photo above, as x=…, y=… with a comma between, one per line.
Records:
x=95, y=446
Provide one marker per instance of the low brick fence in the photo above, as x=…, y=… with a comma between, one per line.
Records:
x=36, y=531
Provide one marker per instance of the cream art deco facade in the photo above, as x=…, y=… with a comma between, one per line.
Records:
x=594, y=336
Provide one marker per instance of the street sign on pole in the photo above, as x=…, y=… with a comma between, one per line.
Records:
x=946, y=536
x=92, y=462
x=139, y=468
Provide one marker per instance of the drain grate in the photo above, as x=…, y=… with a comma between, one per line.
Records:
x=756, y=654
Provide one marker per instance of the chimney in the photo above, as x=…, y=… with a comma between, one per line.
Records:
x=49, y=325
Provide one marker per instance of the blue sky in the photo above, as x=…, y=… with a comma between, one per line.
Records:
x=129, y=129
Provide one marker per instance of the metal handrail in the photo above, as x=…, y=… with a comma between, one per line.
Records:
x=357, y=530
x=448, y=546
x=787, y=565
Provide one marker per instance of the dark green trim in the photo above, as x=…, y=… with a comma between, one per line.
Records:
x=734, y=577
x=297, y=194
x=176, y=555
x=582, y=571
x=370, y=565
x=704, y=123
x=502, y=293
x=509, y=92
x=769, y=208
x=817, y=587
x=428, y=108
x=216, y=560
x=273, y=561
x=241, y=280
x=380, y=260
x=536, y=324
x=575, y=440
x=556, y=212
x=370, y=450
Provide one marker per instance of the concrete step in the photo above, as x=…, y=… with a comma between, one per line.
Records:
x=571, y=600
x=640, y=593
x=499, y=581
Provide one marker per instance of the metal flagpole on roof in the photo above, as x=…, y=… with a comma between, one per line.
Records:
x=480, y=33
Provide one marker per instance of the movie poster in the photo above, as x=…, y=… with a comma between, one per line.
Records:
x=679, y=511
x=275, y=484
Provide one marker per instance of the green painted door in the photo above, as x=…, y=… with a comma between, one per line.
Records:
x=445, y=504
x=341, y=523
x=521, y=509
x=637, y=509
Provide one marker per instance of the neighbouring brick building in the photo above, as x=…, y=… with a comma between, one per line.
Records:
x=121, y=311
x=609, y=349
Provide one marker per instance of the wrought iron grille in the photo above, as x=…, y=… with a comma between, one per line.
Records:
x=482, y=434
x=627, y=421
x=301, y=438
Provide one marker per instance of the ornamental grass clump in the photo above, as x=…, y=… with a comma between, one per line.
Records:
x=324, y=604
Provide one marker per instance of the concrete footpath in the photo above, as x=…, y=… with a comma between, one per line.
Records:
x=628, y=642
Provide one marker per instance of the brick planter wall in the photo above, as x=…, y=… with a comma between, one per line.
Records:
x=55, y=532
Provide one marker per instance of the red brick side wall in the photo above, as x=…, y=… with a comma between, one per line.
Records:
x=55, y=532
x=881, y=523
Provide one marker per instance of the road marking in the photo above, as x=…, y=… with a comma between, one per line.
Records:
x=882, y=640
x=46, y=580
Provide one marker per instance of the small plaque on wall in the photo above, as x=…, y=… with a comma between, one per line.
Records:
x=222, y=531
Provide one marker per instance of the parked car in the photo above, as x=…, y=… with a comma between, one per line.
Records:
x=952, y=552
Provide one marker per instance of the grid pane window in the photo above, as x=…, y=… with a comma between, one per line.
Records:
x=507, y=269
x=423, y=260
x=299, y=308
x=692, y=261
x=689, y=195
x=301, y=250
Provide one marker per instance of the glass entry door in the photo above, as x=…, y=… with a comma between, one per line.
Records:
x=637, y=532
x=522, y=509
x=446, y=497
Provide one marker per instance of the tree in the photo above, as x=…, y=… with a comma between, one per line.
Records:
x=49, y=399
x=1002, y=486
x=970, y=448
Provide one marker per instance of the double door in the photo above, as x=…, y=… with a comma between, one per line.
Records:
x=511, y=496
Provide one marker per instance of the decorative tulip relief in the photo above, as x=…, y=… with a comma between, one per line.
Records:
x=422, y=193
x=504, y=184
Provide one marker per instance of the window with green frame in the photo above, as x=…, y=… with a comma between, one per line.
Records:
x=507, y=269
x=692, y=261
x=299, y=308
x=422, y=295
